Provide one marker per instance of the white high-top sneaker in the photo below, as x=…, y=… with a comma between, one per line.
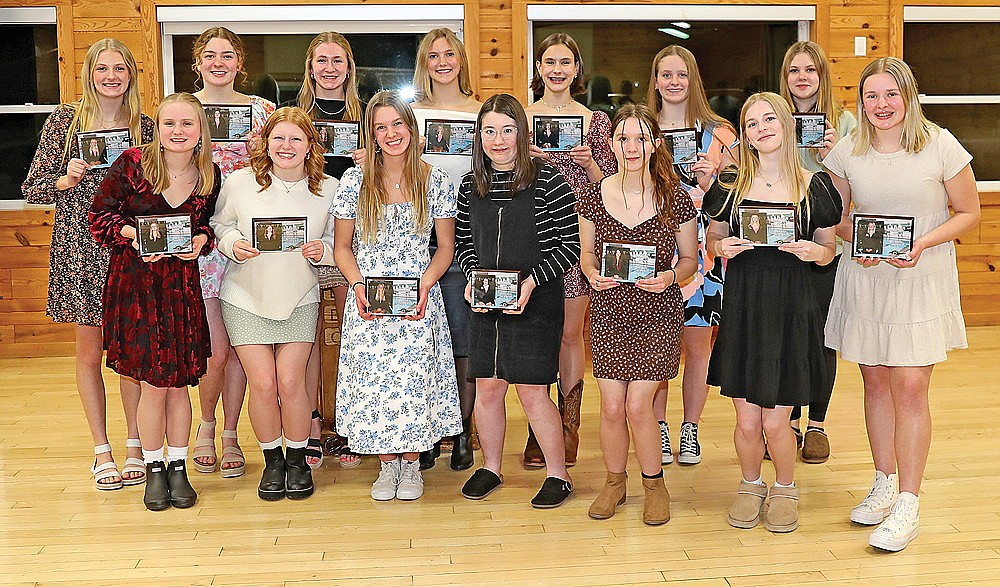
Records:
x=875, y=507
x=900, y=527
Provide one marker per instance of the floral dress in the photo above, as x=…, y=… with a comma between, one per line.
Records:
x=230, y=157
x=77, y=264
x=396, y=387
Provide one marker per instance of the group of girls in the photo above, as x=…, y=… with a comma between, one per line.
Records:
x=404, y=383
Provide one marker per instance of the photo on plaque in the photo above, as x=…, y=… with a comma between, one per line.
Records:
x=392, y=296
x=768, y=226
x=683, y=146
x=100, y=148
x=810, y=129
x=449, y=137
x=628, y=262
x=882, y=236
x=228, y=123
x=166, y=234
x=558, y=133
x=279, y=234
x=339, y=138
x=495, y=289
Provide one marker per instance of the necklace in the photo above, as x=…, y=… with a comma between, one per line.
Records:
x=287, y=185
x=105, y=123
x=769, y=184
x=176, y=176
x=558, y=108
x=337, y=113
x=398, y=181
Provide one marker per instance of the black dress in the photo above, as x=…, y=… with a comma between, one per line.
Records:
x=770, y=347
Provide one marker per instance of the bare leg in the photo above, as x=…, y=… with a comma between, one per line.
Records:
x=265, y=415
x=912, y=423
x=90, y=386
x=780, y=442
x=645, y=431
x=178, y=416
x=491, y=420
x=152, y=416
x=749, y=438
x=290, y=365
x=543, y=415
x=211, y=384
x=233, y=392
x=660, y=400
x=696, y=342
x=880, y=418
x=614, y=429
x=572, y=356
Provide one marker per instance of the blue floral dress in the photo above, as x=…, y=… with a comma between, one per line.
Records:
x=396, y=388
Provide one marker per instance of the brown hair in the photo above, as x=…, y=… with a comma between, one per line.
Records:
x=260, y=159
x=525, y=167
x=577, y=87
x=661, y=163
x=218, y=32
x=824, y=93
x=307, y=93
x=697, y=109
x=154, y=166
x=422, y=82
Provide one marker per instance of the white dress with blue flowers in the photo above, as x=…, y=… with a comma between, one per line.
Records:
x=396, y=388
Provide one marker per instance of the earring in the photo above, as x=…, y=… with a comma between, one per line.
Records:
x=197, y=148
x=161, y=147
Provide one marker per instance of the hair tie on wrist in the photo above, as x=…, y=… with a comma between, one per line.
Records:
x=356, y=284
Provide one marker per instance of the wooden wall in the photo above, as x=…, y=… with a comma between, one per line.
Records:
x=496, y=34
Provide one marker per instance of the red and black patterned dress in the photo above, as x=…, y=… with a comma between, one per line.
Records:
x=155, y=328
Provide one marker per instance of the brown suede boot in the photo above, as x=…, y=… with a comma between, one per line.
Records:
x=745, y=512
x=611, y=496
x=569, y=408
x=656, y=509
x=815, y=446
x=783, y=509
x=533, y=458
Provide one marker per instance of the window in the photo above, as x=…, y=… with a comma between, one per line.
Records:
x=30, y=70
x=962, y=96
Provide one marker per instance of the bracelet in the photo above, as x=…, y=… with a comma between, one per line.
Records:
x=356, y=284
x=671, y=270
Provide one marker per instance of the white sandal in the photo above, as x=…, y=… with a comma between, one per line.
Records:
x=106, y=470
x=133, y=465
x=205, y=447
x=232, y=454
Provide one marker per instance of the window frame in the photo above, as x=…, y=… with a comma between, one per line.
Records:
x=45, y=15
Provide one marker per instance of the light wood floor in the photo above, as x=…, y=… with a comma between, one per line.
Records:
x=55, y=528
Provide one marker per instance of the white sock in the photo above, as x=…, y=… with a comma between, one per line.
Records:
x=176, y=453
x=276, y=443
x=296, y=443
x=152, y=456
x=759, y=481
x=792, y=484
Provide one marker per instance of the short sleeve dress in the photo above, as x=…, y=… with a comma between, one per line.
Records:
x=155, y=328
x=882, y=315
x=770, y=345
x=576, y=177
x=635, y=334
x=77, y=264
x=396, y=387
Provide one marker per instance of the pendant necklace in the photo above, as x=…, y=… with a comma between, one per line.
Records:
x=558, y=108
x=769, y=183
x=288, y=186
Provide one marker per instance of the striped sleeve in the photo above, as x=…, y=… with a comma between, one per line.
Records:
x=465, y=250
x=560, y=237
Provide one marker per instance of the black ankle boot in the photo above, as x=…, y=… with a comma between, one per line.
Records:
x=298, y=480
x=182, y=495
x=461, y=456
x=428, y=456
x=272, y=481
x=157, y=495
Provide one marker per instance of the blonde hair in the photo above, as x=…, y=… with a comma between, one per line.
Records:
x=218, y=32
x=307, y=94
x=87, y=108
x=917, y=128
x=260, y=159
x=422, y=82
x=789, y=164
x=372, y=197
x=824, y=93
x=154, y=166
x=696, y=111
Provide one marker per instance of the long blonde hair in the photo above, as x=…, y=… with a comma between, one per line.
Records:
x=697, y=111
x=789, y=165
x=87, y=108
x=422, y=82
x=372, y=197
x=154, y=166
x=307, y=94
x=824, y=93
x=261, y=161
x=917, y=128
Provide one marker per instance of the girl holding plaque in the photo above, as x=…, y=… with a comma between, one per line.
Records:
x=272, y=328
x=155, y=329
x=677, y=98
x=806, y=85
x=516, y=213
x=218, y=59
x=769, y=352
x=78, y=266
x=396, y=390
x=444, y=91
x=636, y=329
x=559, y=75
x=897, y=162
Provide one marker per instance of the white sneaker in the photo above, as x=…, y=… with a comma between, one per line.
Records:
x=875, y=507
x=411, y=483
x=667, y=454
x=384, y=487
x=900, y=528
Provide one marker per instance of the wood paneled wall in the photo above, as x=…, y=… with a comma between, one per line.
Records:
x=497, y=36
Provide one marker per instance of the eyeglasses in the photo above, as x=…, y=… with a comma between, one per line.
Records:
x=506, y=132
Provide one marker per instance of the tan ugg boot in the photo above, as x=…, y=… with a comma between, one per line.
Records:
x=745, y=512
x=656, y=509
x=783, y=509
x=611, y=496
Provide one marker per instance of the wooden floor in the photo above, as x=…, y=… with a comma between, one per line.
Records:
x=55, y=528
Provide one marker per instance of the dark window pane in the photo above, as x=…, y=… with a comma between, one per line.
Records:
x=30, y=66
x=974, y=125
x=275, y=63
x=941, y=56
x=18, y=140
